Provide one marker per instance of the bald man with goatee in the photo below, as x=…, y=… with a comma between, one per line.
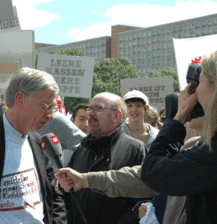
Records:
x=107, y=147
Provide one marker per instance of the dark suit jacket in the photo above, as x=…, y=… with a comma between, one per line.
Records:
x=54, y=207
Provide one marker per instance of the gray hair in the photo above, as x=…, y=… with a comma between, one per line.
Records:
x=30, y=81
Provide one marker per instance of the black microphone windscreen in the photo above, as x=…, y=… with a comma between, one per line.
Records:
x=51, y=145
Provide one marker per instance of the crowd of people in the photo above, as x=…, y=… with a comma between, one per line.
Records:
x=124, y=164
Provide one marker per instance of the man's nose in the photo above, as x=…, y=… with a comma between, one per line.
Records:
x=86, y=123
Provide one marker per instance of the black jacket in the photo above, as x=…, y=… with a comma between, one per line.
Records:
x=54, y=207
x=110, y=152
x=192, y=172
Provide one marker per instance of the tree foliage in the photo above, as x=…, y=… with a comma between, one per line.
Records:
x=167, y=72
x=109, y=72
x=68, y=51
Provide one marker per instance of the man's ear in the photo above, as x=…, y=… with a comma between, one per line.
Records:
x=117, y=116
x=19, y=99
x=72, y=119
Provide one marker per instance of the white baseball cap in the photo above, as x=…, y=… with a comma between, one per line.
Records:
x=136, y=94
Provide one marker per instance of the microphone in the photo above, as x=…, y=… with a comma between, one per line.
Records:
x=51, y=146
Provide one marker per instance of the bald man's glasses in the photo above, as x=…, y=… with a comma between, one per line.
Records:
x=98, y=109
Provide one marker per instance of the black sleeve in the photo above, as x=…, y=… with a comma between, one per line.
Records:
x=59, y=210
x=168, y=171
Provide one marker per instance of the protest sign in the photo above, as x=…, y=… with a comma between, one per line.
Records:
x=155, y=89
x=73, y=74
x=188, y=49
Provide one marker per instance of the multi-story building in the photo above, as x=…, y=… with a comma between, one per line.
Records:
x=97, y=47
x=152, y=48
x=147, y=48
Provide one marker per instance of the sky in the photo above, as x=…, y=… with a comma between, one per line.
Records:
x=66, y=21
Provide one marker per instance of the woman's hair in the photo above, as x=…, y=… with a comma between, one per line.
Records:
x=152, y=117
x=209, y=68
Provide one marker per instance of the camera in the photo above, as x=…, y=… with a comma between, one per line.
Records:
x=171, y=101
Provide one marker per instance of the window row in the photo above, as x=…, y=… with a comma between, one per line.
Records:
x=92, y=51
x=146, y=49
x=89, y=45
x=153, y=55
x=95, y=55
x=153, y=62
x=205, y=31
x=171, y=29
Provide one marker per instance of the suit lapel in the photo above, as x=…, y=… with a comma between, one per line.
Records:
x=2, y=146
x=39, y=158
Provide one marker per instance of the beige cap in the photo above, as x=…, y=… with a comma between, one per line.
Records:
x=136, y=94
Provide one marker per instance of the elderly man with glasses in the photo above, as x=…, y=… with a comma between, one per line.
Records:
x=106, y=147
x=27, y=190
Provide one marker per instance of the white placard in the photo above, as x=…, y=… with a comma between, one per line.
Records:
x=188, y=49
x=73, y=74
x=155, y=88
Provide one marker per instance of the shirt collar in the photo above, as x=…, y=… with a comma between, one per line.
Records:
x=11, y=131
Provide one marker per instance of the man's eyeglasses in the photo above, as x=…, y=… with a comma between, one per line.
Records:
x=48, y=107
x=98, y=109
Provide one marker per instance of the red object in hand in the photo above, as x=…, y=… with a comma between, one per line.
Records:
x=192, y=88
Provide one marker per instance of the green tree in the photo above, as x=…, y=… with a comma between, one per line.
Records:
x=68, y=51
x=109, y=72
x=167, y=72
x=69, y=102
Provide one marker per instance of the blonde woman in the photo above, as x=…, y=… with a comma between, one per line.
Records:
x=193, y=172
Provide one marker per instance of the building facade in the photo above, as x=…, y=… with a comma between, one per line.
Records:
x=147, y=48
x=99, y=48
x=152, y=48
